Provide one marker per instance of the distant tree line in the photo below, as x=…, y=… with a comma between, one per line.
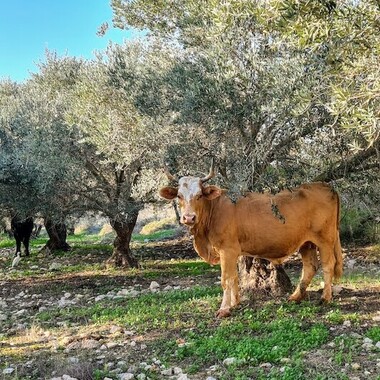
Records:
x=278, y=92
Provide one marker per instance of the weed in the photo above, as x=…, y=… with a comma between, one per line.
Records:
x=374, y=333
x=337, y=317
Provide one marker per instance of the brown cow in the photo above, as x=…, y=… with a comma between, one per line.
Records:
x=262, y=225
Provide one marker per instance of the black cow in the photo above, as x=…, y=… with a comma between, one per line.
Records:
x=22, y=230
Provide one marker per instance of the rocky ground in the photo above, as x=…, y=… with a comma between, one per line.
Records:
x=33, y=344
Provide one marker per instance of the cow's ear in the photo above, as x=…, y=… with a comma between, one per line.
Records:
x=168, y=192
x=211, y=192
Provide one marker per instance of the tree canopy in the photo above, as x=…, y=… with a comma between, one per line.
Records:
x=279, y=92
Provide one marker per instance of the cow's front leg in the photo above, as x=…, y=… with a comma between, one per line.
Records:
x=230, y=285
x=207, y=253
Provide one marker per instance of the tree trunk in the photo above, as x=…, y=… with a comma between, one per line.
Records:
x=177, y=215
x=57, y=236
x=122, y=255
x=263, y=278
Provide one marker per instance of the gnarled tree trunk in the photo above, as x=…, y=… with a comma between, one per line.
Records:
x=57, y=236
x=262, y=277
x=122, y=255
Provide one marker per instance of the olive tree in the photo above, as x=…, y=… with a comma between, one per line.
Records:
x=246, y=93
x=106, y=107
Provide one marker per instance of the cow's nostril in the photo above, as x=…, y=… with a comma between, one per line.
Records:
x=188, y=219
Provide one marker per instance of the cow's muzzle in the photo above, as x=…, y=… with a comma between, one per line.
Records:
x=188, y=219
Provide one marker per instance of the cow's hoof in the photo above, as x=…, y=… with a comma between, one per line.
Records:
x=324, y=301
x=296, y=299
x=223, y=313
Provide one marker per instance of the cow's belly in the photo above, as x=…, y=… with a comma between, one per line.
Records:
x=276, y=253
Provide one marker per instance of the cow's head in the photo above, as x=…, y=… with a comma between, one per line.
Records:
x=192, y=196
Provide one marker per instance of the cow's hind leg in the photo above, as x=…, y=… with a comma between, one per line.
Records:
x=328, y=260
x=309, y=267
x=18, y=245
x=230, y=285
x=26, y=245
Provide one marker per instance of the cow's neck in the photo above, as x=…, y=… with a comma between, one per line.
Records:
x=201, y=229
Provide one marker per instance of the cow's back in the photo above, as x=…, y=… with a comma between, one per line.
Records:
x=273, y=226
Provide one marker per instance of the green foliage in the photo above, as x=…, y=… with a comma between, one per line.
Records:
x=358, y=224
x=337, y=317
x=271, y=342
x=374, y=333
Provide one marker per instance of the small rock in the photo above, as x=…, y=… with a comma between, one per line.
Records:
x=111, y=345
x=229, y=361
x=351, y=263
x=177, y=370
x=210, y=378
x=355, y=366
x=90, y=344
x=265, y=365
x=367, y=346
x=347, y=324
x=20, y=312
x=115, y=329
x=182, y=376
x=8, y=371
x=167, y=372
x=67, y=377
x=55, y=266
x=3, y=317
x=378, y=344
x=367, y=340
x=126, y=376
x=141, y=376
x=154, y=286
x=336, y=289
x=100, y=297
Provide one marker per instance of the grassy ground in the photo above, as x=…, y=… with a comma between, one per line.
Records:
x=91, y=322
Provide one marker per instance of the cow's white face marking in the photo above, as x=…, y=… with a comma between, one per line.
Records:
x=189, y=187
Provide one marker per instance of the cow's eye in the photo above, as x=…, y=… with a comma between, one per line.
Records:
x=180, y=196
x=199, y=197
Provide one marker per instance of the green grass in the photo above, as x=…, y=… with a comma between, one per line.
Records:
x=374, y=333
x=162, y=310
x=268, y=331
x=158, y=235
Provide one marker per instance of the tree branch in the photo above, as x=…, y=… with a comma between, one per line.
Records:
x=340, y=170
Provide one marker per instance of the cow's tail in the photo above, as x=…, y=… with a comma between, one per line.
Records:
x=338, y=269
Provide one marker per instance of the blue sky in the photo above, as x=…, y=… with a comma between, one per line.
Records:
x=29, y=27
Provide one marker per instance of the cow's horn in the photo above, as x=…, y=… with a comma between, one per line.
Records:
x=212, y=172
x=171, y=177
